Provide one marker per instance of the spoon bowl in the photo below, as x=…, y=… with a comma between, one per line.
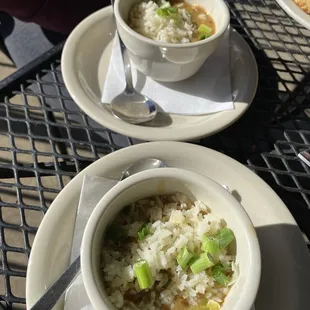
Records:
x=142, y=165
x=133, y=108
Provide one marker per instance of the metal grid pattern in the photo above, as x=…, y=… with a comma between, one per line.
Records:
x=45, y=139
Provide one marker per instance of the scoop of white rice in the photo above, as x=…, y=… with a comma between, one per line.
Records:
x=145, y=20
x=174, y=223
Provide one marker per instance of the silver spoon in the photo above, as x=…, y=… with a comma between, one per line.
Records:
x=52, y=295
x=141, y=165
x=131, y=106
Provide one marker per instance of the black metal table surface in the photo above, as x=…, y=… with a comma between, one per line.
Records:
x=45, y=140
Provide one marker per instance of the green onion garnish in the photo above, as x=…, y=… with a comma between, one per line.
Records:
x=203, y=262
x=193, y=259
x=161, y=12
x=164, y=12
x=172, y=10
x=204, y=29
x=219, y=276
x=224, y=236
x=143, y=273
x=184, y=257
x=218, y=267
x=210, y=245
x=143, y=232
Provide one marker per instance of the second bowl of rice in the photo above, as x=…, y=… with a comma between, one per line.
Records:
x=163, y=40
x=170, y=239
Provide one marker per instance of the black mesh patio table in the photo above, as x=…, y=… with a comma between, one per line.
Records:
x=44, y=145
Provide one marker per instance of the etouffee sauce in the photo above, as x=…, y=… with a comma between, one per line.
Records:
x=198, y=13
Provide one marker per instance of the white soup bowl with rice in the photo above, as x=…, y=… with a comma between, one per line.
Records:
x=170, y=239
x=170, y=40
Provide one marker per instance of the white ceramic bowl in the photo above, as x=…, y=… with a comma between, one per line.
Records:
x=170, y=62
x=294, y=11
x=168, y=181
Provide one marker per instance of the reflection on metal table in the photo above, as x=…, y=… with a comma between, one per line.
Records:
x=45, y=140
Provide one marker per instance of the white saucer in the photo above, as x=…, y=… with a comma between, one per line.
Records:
x=85, y=61
x=285, y=257
x=293, y=10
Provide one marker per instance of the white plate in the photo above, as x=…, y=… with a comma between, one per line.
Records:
x=293, y=10
x=285, y=257
x=85, y=61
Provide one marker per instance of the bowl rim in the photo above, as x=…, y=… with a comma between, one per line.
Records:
x=219, y=30
x=102, y=302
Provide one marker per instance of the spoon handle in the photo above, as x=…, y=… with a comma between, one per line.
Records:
x=52, y=295
x=126, y=62
x=127, y=67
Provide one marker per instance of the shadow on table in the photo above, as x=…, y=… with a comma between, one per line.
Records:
x=285, y=269
x=237, y=140
x=74, y=118
x=281, y=100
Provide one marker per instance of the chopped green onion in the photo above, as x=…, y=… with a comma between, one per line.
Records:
x=210, y=245
x=224, y=236
x=143, y=273
x=164, y=12
x=219, y=276
x=219, y=267
x=184, y=257
x=143, y=232
x=202, y=37
x=193, y=259
x=203, y=262
x=204, y=29
x=172, y=10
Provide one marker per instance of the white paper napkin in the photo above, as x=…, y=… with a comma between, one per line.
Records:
x=208, y=91
x=93, y=189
